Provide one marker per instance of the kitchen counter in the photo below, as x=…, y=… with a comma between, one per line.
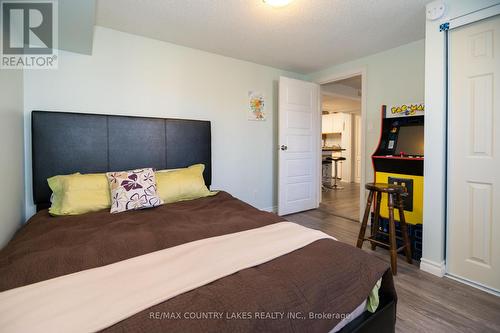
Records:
x=332, y=149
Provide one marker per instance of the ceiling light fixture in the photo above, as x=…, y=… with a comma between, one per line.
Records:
x=277, y=3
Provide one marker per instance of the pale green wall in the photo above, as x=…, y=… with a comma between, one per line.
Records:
x=11, y=153
x=166, y=80
x=76, y=25
x=132, y=75
x=392, y=77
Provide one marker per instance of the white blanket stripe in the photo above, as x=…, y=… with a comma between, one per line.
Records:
x=94, y=299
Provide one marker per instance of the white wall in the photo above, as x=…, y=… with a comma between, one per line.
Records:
x=133, y=75
x=433, y=255
x=393, y=76
x=11, y=153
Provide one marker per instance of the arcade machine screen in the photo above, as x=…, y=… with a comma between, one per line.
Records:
x=410, y=141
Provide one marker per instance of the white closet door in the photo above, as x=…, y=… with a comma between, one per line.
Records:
x=474, y=153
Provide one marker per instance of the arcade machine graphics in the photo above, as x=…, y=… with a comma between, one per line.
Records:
x=399, y=159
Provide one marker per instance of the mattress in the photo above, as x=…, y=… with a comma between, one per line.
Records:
x=324, y=277
x=360, y=309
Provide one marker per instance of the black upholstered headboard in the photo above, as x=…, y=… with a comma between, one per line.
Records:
x=65, y=143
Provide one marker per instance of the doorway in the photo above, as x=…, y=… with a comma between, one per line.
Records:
x=342, y=155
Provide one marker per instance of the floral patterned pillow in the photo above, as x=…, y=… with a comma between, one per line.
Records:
x=132, y=190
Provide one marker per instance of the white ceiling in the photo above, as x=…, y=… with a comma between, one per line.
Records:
x=353, y=82
x=350, y=88
x=305, y=36
x=342, y=96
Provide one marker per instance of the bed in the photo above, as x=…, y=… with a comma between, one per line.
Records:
x=298, y=291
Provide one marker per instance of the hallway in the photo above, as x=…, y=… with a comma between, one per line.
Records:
x=342, y=203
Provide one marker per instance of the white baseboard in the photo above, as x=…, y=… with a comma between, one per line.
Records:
x=433, y=267
x=273, y=209
x=474, y=284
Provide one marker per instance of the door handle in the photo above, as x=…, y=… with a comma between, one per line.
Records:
x=284, y=147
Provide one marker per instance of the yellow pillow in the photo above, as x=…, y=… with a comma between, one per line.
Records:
x=56, y=185
x=79, y=194
x=182, y=184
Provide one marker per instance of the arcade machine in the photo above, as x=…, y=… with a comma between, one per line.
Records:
x=399, y=159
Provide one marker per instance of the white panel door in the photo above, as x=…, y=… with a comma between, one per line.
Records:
x=299, y=146
x=474, y=153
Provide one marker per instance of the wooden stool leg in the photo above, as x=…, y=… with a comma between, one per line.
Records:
x=376, y=218
x=362, y=230
x=392, y=235
x=404, y=229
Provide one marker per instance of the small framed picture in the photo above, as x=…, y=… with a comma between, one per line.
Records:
x=257, y=106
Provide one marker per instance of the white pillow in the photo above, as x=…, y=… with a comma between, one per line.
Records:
x=132, y=190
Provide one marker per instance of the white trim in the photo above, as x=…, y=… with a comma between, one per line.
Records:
x=319, y=151
x=337, y=77
x=351, y=110
x=474, y=16
x=318, y=125
x=273, y=209
x=434, y=268
x=473, y=284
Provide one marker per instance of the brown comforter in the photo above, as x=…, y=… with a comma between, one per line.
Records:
x=324, y=278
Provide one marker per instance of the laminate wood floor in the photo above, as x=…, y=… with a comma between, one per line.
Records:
x=426, y=303
x=343, y=203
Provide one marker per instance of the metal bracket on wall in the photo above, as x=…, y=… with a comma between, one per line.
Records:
x=444, y=27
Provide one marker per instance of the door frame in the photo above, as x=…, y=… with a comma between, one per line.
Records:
x=337, y=77
x=464, y=20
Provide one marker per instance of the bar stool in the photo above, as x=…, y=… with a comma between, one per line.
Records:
x=395, y=194
x=336, y=160
x=325, y=187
